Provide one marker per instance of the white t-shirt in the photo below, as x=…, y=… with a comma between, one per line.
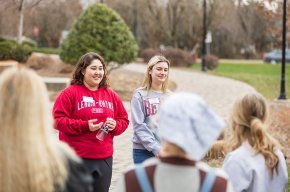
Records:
x=249, y=173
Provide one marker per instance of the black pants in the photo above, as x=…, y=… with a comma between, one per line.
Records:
x=101, y=170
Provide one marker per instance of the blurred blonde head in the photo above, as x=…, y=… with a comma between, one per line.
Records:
x=147, y=82
x=248, y=124
x=29, y=157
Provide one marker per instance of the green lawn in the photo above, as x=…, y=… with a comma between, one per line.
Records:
x=288, y=187
x=266, y=78
x=46, y=50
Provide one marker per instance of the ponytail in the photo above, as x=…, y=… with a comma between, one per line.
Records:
x=264, y=144
x=248, y=124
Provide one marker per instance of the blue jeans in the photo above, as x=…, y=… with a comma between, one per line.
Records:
x=140, y=155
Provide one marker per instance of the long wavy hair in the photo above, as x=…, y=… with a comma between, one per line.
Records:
x=248, y=124
x=31, y=159
x=147, y=82
x=83, y=63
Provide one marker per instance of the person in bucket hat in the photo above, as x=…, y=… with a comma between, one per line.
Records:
x=187, y=128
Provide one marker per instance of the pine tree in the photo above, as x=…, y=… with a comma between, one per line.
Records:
x=100, y=29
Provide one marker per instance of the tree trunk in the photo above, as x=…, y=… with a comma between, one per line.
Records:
x=20, y=26
x=135, y=23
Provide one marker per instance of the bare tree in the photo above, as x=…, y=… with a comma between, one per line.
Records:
x=234, y=24
x=50, y=17
x=189, y=28
x=175, y=8
x=21, y=6
x=145, y=18
x=8, y=22
x=52, y=20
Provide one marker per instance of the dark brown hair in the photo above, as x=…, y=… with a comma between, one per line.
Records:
x=83, y=63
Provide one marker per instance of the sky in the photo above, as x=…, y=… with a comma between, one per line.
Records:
x=86, y=3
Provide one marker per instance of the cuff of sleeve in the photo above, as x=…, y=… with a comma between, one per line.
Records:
x=115, y=131
x=156, y=150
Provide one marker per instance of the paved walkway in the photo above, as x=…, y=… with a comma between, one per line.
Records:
x=218, y=92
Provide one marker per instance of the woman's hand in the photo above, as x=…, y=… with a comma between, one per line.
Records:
x=111, y=123
x=94, y=127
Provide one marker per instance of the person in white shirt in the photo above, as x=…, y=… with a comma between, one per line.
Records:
x=255, y=163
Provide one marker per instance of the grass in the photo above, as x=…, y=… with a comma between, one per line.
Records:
x=46, y=50
x=265, y=78
x=288, y=187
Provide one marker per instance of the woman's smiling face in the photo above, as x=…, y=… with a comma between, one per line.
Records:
x=159, y=72
x=93, y=74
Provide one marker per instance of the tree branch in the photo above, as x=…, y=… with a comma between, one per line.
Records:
x=33, y=4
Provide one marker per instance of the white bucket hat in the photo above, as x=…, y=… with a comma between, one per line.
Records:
x=186, y=121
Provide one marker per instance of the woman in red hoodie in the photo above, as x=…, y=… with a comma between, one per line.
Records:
x=86, y=107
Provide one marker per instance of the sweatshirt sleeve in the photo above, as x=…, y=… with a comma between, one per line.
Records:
x=121, y=117
x=239, y=173
x=62, y=112
x=141, y=129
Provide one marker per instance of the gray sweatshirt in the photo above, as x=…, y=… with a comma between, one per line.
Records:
x=143, y=110
x=248, y=171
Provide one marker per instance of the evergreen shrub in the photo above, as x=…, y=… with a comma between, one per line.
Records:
x=211, y=62
x=11, y=50
x=100, y=29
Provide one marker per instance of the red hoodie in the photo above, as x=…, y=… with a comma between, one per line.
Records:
x=75, y=106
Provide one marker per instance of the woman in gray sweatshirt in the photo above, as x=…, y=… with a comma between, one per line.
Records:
x=144, y=105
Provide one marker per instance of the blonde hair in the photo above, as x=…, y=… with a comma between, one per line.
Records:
x=30, y=160
x=248, y=124
x=147, y=82
x=171, y=149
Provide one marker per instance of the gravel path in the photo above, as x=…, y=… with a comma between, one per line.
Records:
x=218, y=92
